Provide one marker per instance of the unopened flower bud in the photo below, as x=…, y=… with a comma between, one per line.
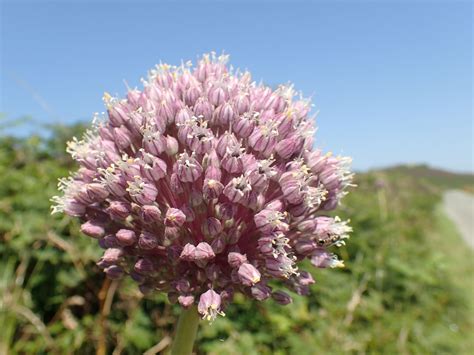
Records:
x=287, y=147
x=182, y=286
x=97, y=192
x=170, y=235
x=155, y=171
x=111, y=256
x=305, y=278
x=175, y=184
x=117, y=115
x=242, y=103
x=186, y=301
x=109, y=241
x=150, y=214
x=261, y=291
x=224, y=114
x=234, y=235
x=218, y=244
x=126, y=237
x=248, y=274
x=119, y=210
x=212, y=272
x=74, y=208
x=204, y=252
x=93, y=229
x=203, y=108
x=225, y=211
x=225, y=141
x=307, y=225
x=172, y=146
x=213, y=173
x=282, y=297
x=305, y=247
x=244, y=127
x=188, y=252
x=236, y=259
x=217, y=95
x=144, y=266
x=211, y=227
x=191, y=95
x=122, y=137
x=147, y=241
x=174, y=217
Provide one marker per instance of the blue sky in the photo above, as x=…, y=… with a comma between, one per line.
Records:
x=392, y=80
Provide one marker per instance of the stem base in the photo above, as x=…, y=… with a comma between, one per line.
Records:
x=186, y=331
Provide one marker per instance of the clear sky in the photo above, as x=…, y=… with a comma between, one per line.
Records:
x=392, y=80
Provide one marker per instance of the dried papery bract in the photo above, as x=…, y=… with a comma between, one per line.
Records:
x=205, y=184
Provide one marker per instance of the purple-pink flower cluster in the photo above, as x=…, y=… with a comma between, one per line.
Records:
x=204, y=184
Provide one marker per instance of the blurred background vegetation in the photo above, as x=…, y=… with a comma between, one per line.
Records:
x=406, y=288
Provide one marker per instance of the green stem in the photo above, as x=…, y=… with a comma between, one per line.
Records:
x=185, y=332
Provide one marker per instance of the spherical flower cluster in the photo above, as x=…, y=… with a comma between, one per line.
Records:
x=205, y=184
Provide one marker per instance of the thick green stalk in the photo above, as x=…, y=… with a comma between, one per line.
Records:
x=185, y=332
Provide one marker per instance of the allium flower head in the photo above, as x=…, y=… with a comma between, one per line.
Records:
x=204, y=184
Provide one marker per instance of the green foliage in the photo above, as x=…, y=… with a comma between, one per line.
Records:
x=441, y=178
x=401, y=290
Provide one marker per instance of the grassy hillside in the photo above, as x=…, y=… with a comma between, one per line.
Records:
x=403, y=291
x=441, y=178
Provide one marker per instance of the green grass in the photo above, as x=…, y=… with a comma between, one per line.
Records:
x=457, y=259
